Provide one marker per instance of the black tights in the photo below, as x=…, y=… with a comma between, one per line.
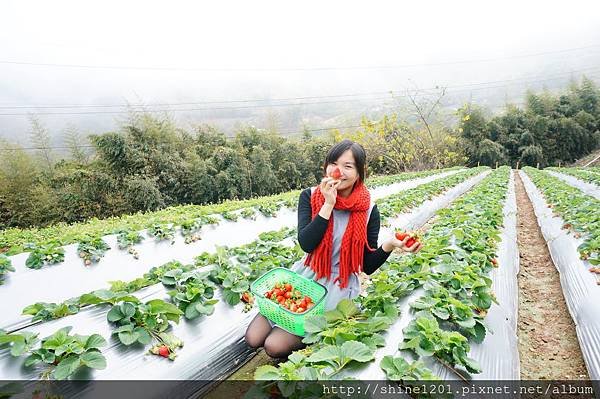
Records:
x=278, y=343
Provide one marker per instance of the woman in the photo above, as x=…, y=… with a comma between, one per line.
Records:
x=338, y=227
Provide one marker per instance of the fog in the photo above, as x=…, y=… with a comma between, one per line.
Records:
x=79, y=63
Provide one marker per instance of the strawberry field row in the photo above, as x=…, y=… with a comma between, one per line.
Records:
x=14, y=240
x=581, y=174
x=579, y=211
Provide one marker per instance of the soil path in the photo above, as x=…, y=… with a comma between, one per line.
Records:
x=548, y=345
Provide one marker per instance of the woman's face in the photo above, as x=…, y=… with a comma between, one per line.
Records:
x=347, y=166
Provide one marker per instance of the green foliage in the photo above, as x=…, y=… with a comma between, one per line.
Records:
x=5, y=266
x=578, y=210
x=39, y=256
x=551, y=129
x=61, y=354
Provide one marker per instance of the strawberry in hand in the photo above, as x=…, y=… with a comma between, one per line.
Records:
x=336, y=174
x=412, y=239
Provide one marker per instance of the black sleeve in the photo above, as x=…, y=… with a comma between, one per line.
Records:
x=310, y=231
x=373, y=260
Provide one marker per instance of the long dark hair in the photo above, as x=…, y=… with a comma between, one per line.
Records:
x=360, y=156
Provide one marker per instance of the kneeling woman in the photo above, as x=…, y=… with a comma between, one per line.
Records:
x=338, y=227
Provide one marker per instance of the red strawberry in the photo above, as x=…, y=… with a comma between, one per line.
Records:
x=247, y=298
x=336, y=174
x=163, y=351
x=400, y=236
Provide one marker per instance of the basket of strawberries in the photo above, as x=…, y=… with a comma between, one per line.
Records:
x=286, y=298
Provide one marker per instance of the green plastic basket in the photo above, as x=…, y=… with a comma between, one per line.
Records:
x=289, y=321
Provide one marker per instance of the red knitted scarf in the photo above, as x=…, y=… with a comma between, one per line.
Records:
x=353, y=241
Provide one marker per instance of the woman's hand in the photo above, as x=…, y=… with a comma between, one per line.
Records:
x=328, y=187
x=394, y=243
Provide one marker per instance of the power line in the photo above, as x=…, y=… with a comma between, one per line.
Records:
x=76, y=106
x=452, y=89
x=328, y=68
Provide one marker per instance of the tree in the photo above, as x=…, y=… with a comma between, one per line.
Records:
x=41, y=141
x=75, y=142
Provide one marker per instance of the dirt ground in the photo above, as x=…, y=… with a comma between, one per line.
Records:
x=243, y=378
x=548, y=345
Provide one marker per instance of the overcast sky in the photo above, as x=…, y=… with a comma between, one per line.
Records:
x=178, y=43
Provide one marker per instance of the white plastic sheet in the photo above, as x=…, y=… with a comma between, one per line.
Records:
x=587, y=188
x=580, y=290
x=56, y=283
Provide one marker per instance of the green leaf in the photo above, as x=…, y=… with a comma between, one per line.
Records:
x=160, y=306
x=441, y=313
x=94, y=360
x=315, y=324
x=348, y=308
x=468, y=323
x=267, y=372
x=143, y=337
x=32, y=359
x=57, y=339
x=205, y=309
x=32, y=310
x=328, y=352
x=67, y=367
x=115, y=314
x=472, y=365
x=395, y=368
x=127, y=309
x=357, y=351
x=128, y=338
x=232, y=298
x=191, y=312
x=95, y=341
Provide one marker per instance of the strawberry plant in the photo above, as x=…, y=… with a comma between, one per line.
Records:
x=19, y=343
x=190, y=230
x=163, y=232
x=127, y=239
x=248, y=213
x=439, y=302
x=347, y=322
x=42, y=255
x=61, y=354
x=248, y=300
x=92, y=249
x=42, y=311
x=5, y=266
x=578, y=210
x=191, y=291
x=269, y=209
x=145, y=322
x=585, y=175
x=425, y=337
x=398, y=369
x=231, y=216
